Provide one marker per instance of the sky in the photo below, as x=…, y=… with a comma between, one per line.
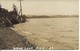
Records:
x=44, y=7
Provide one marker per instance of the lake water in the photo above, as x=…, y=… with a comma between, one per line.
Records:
x=60, y=33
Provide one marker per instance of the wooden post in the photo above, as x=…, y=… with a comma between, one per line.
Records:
x=21, y=7
x=20, y=18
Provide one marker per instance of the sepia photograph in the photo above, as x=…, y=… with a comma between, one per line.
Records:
x=39, y=24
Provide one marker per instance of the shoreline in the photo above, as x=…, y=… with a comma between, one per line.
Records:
x=9, y=39
x=54, y=17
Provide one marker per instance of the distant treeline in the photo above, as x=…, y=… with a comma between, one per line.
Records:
x=54, y=16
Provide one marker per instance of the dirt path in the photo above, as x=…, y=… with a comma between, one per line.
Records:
x=51, y=33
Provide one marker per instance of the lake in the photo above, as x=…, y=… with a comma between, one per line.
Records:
x=59, y=33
